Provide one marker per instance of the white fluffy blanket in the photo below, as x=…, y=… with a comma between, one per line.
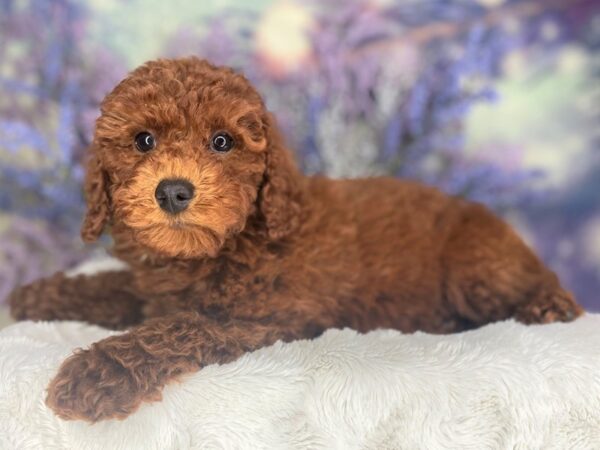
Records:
x=505, y=386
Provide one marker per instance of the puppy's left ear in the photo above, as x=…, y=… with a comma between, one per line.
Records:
x=280, y=197
x=96, y=195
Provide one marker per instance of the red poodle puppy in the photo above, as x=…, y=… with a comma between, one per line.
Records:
x=230, y=248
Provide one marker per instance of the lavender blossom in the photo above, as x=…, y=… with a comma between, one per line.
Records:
x=386, y=89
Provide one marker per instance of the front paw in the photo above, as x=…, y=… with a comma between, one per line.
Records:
x=91, y=386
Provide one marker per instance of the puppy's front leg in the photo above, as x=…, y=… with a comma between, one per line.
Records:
x=113, y=377
x=108, y=299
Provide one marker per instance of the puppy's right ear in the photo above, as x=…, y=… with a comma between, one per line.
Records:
x=96, y=195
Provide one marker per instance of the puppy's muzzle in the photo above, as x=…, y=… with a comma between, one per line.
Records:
x=174, y=196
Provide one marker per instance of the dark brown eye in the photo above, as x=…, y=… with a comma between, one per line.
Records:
x=221, y=142
x=144, y=142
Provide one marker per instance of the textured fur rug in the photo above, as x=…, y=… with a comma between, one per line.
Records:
x=503, y=386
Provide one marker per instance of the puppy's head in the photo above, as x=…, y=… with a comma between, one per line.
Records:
x=183, y=154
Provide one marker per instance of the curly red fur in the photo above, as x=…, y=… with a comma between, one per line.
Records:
x=262, y=253
x=97, y=198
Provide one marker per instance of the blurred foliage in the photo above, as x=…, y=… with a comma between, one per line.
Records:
x=488, y=99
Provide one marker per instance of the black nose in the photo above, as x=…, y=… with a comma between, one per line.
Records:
x=174, y=196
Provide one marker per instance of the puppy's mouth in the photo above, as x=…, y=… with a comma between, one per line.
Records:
x=179, y=225
x=179, y=239
x=175, y=225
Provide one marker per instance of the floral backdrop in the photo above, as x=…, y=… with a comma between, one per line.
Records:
x=495, y=100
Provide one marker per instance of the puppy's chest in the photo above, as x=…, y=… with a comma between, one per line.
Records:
x=222, y=294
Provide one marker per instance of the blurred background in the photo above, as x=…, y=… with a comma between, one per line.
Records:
x=494, y=100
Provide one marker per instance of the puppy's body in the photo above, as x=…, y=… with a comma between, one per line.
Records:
x=367, y=254
x=231, y=248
